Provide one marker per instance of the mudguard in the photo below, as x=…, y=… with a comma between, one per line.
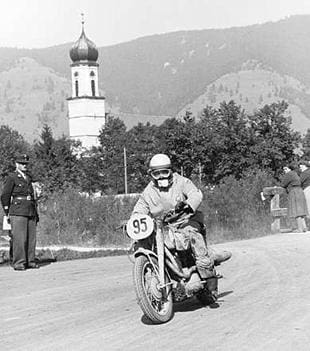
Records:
x=145, y=252
x=148, y=253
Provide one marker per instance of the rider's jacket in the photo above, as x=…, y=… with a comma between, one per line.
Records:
x=154, y=200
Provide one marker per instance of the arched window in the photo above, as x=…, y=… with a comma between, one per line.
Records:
x=76, y=74
x=76, y=88
x=93, y=89
x=92, y=74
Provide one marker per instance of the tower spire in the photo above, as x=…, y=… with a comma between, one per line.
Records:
x=86, y=108
x=83, y=49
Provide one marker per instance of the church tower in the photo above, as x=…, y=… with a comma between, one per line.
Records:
x=86, y=108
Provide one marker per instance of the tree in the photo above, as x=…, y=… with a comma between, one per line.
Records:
x=11, y=144
x=229, y=142
x=221, y=141
x=112, y=140
x=273, y=142
x=141, y=144
x=175, y=139
x=56, y=164
x=92, y=177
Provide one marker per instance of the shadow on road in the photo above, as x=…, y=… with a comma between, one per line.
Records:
x=146, y=320
x=193, y=304
x=45, y=261
x=40, y=262
x=189, y=305
x=225, y=293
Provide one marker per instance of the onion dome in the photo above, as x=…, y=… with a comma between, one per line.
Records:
x=83, y=49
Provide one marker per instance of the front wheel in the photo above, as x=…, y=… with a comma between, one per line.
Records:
x=156, y=304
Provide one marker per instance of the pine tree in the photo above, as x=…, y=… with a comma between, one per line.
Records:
x=56, y=164
x=112, y=140
x=11, y=144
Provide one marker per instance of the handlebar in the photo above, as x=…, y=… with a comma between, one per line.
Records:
x=173, y=216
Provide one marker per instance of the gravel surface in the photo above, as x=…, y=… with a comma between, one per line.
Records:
x=90, y=304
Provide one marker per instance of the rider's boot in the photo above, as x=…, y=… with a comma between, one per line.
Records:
x=220, y=256
x=211, y=282
x=212, y=286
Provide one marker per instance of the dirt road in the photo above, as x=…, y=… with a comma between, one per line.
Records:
x=90, y=304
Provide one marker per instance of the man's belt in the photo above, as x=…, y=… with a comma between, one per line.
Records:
x=28, y=197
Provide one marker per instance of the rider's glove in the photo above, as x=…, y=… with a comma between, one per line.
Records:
x=183, y=207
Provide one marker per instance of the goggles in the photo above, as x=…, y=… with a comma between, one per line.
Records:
x=160, y=173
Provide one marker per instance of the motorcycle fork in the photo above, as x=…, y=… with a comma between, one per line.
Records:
x=161, y=259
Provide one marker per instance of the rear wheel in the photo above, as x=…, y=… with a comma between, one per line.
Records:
x=155, y=303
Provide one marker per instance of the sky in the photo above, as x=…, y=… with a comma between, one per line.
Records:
x=43, y=23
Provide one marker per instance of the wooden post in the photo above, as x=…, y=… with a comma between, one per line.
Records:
x=275, y=205
x=276, y=211
x=125, y=171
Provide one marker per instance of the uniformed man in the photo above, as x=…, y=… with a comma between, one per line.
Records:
x=168, y=190
x=18, y=202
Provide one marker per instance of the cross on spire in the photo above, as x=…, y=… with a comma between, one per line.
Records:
x=82, y=19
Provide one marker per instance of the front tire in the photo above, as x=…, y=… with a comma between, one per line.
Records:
x=157, y=307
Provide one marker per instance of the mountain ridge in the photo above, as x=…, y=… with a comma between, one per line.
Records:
x=161, y=74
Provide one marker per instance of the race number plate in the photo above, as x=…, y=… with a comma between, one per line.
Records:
x=140, y=226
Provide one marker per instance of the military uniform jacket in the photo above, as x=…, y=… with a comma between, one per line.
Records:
x=17, y=196
x=155, y=201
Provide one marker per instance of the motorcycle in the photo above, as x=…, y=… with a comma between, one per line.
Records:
x=161, y=274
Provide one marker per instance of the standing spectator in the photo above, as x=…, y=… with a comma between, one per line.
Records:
x=305, y=181
x=18, y=202
x=297, y=206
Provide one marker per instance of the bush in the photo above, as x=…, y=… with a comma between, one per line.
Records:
x=234, y=209
x=67, y=217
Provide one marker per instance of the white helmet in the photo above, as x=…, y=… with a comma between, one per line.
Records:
x=160, y=161
x=160, y=171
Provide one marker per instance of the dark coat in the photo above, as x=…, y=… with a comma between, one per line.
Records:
x=17, y=196
x=305, y=178
x=297, y=206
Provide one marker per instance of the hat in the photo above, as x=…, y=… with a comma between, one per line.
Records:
x=22, y=158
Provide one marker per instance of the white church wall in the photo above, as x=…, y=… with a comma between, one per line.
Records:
x=86, y=107
x=85, y=126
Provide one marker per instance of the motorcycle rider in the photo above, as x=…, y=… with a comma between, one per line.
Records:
x=168, y=190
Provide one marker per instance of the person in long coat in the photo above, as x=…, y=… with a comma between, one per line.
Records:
x=304, y=166
x=297, y=206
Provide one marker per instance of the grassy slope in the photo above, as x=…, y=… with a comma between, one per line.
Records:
x=252, y=89
x=33, y=95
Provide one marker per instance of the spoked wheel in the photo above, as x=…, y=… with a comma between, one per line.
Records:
x=156, y=304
